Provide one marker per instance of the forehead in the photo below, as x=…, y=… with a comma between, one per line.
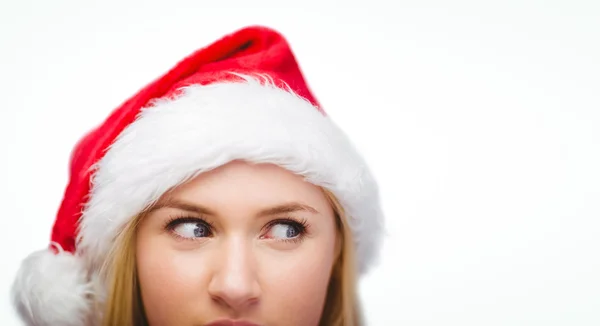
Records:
x=244, y=184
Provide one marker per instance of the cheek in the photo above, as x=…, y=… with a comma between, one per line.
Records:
x=170, y=281
x=295, y=284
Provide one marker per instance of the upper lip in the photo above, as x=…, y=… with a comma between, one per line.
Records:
x=231, y=322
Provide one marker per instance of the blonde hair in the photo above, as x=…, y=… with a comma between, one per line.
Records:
x=123, y=305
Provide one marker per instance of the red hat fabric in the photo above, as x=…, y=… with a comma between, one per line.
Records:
x=242, y=97
x=251, y=50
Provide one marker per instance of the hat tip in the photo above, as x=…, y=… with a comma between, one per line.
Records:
x=52, y=289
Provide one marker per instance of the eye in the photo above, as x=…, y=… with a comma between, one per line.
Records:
x=190, y=228
x=285, y=230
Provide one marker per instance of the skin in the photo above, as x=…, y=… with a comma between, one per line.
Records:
x=248, y=265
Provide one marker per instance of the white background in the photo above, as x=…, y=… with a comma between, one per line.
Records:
x=480, y=119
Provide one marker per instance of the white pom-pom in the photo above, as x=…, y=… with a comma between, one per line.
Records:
x=52, y=289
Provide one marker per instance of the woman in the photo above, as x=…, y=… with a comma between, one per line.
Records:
x=220, y=194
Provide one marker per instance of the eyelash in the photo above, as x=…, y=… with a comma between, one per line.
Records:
x=301, y=224
x=175, y=220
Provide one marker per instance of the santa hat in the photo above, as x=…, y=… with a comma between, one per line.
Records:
x=241, y=98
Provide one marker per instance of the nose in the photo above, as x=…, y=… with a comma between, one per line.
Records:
x=234, y=282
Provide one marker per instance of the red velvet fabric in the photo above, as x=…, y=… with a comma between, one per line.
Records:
x=250, y=50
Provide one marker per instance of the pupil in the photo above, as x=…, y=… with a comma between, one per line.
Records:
x=200, y=231
x=291, y=232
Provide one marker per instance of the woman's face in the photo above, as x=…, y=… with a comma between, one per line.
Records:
x=243, y=242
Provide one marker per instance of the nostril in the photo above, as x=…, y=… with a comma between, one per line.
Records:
x=237, y=303
x=219, y=301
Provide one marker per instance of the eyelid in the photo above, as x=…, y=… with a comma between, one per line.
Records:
x=184, y=218
x=285, y=220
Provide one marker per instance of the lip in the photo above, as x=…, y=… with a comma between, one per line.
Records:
x=231, y=322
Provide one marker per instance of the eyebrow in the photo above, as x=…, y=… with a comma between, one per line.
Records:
x=202, y=210
x=172, y=203
x=287, y=208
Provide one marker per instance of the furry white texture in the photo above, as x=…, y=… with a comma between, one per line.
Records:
x=52, y=289
x=205, y=127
